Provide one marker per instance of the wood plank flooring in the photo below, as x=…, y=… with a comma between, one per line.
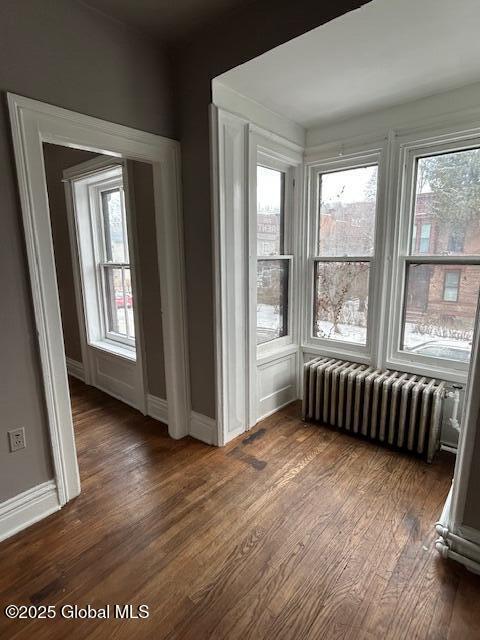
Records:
x=289, y=533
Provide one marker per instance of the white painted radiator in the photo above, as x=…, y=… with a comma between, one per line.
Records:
x=390, y=407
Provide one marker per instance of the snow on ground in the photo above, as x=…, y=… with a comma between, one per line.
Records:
x=413, y=339
x=348, y=332
x=268, y=316
x=269, y=325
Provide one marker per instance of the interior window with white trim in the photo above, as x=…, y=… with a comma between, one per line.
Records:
x=114, y=265
x=442, y=267
x=345, y=247
x=273, y=262
x=104, y=252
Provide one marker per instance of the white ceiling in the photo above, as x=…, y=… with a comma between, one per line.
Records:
x=385, y=53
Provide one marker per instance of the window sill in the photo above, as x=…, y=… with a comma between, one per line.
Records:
x=115, y=349
x=450, y=374
x=339, y=352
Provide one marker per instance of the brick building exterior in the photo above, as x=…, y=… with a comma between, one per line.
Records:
x=445, y=294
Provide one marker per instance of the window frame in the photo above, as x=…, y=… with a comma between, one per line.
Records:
x=330, y=347
x=408, y=149
x=96, y=191
x=86, y=189
x=268, y=158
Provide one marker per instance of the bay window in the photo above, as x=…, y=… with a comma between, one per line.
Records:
x=393, y=263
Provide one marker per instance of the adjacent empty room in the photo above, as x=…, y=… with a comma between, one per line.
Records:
x=240, y=345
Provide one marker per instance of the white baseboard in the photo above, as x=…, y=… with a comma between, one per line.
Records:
x=201, y=427
x=231, y=435
x=157, y=408
x=274, y=410
x=28, y=507
x=75, y=369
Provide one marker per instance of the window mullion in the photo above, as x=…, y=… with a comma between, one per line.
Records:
x=108, y=297
x=115, y=265
x=441, y=260
x=343, y=258
x=124, y=302
x=282, y=256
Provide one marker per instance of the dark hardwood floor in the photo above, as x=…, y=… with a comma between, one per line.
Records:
x=291, y=532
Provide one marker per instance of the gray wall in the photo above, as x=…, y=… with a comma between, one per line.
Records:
x=242, y=35
x=150, y=302
x=60, y=52
x=57, y=159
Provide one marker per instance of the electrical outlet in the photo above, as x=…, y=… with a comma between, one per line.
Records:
x=16, y=438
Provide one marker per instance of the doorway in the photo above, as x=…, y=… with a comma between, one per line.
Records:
x=33, y=125
x=101, y=209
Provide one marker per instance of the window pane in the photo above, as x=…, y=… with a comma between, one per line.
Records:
x=347, y=212
x=116, y=301
x=116, y=245
x=272, y=299
x=425, y=230
x=451, y=286
x=447, y=204
x=270, y=211
x=440, y=310
x=341, y=301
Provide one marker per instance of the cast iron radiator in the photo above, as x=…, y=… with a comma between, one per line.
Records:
x=389, y=407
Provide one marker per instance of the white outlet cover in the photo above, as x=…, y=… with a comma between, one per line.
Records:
x=16, y=439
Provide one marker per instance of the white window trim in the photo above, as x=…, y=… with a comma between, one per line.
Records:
x=406, y=150
x=348, y=159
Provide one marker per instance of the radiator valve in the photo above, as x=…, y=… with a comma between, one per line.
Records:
x=453, y=420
